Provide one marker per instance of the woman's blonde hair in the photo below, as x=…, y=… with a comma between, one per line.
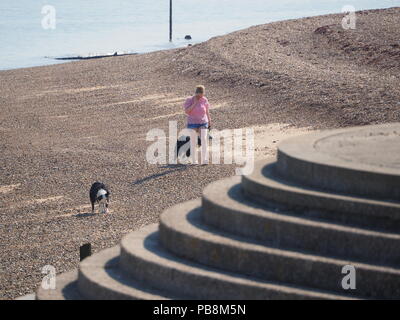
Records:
x=200, y=89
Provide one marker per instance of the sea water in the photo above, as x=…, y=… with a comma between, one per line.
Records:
x=100, y=27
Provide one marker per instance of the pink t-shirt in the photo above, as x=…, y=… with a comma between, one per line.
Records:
x=199, y=113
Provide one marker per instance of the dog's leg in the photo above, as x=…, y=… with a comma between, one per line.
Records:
x=92, y=207
x=107, y=202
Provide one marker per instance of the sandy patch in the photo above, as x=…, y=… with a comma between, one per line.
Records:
x=154, y=97
x=266, y=139
x=9, y=188
x=218, y=105
x=27, y=203
x=180, y=100
x=43, y=200
x=83, y=211
x=120, y=103
x=84, y=208
x=59, y=117
x=75, y=90
x=86, y=89
x=161, y=99
x=80, y=211
x=165, y=116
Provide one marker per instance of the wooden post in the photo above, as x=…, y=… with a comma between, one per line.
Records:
x=170, y=20
x=85, y=251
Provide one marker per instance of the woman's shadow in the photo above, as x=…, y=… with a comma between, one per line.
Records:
x=172, y=168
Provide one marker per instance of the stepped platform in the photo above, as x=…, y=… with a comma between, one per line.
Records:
x=330, y=199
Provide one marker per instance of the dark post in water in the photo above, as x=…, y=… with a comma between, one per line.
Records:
x=170, y=20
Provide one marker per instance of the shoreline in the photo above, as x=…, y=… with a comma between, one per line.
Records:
x=67, y=125
x=94, y=57
x=79, y=57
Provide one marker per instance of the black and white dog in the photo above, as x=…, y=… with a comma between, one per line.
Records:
x=100, y=194
x=183, y=144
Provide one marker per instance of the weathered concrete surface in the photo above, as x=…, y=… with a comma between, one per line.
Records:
x=101, y=278
x=375, y=146
x=226, y=208
x=66, y=288
x=183, y=233
x=30, y=296
x=145, y=258
x=360, y=160
x=266, y=187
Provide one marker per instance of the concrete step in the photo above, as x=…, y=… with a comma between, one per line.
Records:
x=101, y=278
x=146, y=261
x=66, y=288
x=183, y=233
x=359, y=160
x=29, y=296
x=263, y=185
x=225, y=208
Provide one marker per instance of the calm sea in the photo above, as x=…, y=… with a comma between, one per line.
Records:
x=97, y=27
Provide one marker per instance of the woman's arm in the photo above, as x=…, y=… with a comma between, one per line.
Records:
x=209, y=118
x=208, y=113
x=191, y=107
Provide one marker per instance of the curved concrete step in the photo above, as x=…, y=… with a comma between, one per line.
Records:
x=145, y=260
x=183, y=233
x=225, y=208
x=29, y=296
x=264, y=186
x=359, y=160
x=100, y=278
x=66, y=288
